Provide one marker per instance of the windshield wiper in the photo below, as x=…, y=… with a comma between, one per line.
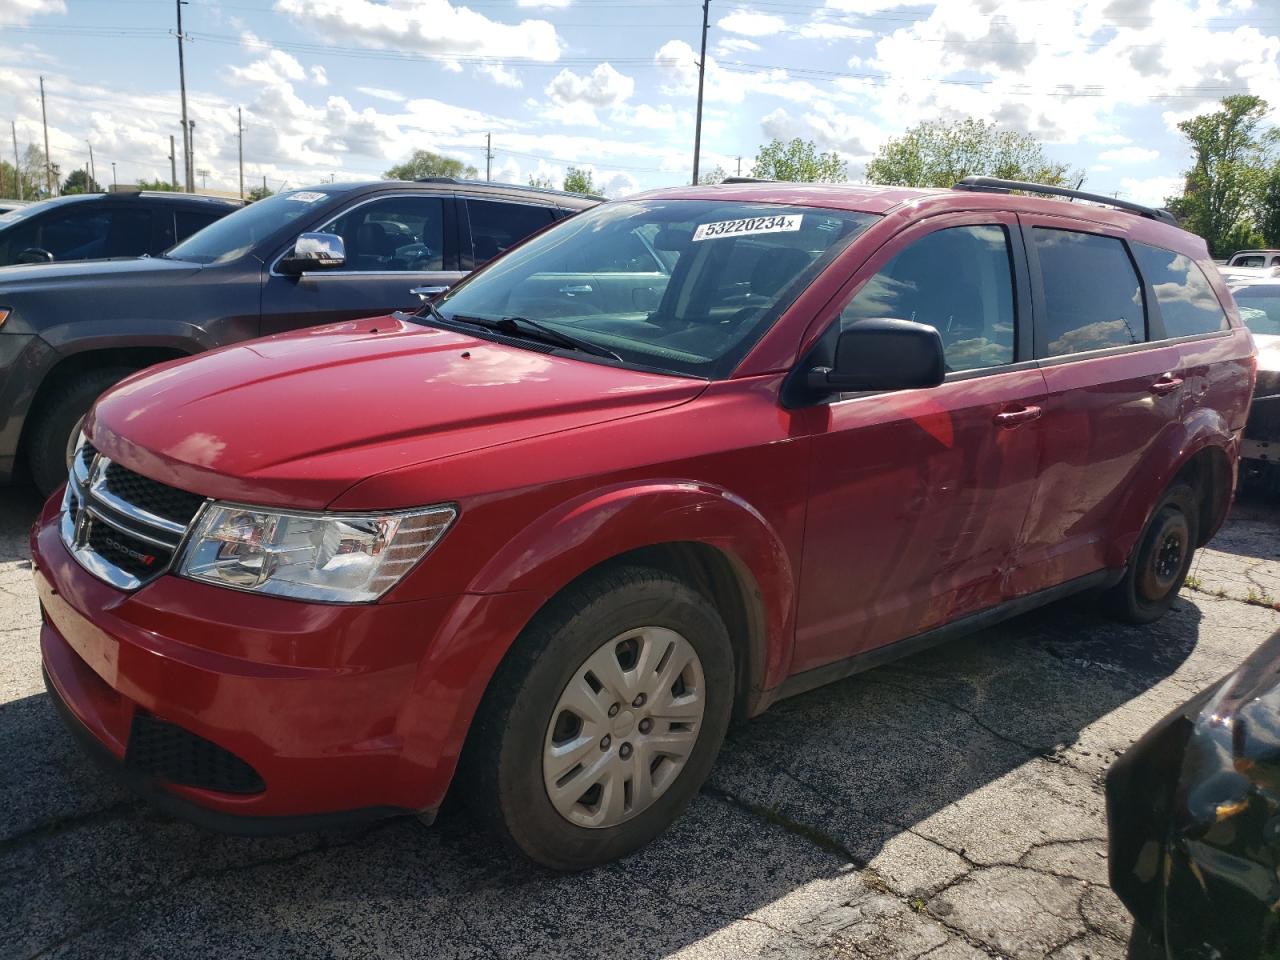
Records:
x=533, y=330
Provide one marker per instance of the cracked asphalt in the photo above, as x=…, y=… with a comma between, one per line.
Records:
x=948, y=806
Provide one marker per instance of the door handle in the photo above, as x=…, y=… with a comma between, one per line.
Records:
x=1166, y=385
x=427, y=293
x=1011, y=418
x=576, y=288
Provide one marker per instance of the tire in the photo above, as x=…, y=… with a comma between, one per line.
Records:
x=1160, y=560
x=512, y=760
x=54, y=426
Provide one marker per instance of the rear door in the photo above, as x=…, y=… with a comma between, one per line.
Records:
x=917, y=498
x=1112, y=390
x=395, y=245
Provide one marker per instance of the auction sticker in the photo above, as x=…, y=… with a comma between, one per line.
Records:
x=307, y=196
x=779, y=223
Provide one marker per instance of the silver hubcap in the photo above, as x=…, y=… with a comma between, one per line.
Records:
x=624, y=727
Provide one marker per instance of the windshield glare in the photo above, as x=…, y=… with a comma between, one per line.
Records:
x=686, y=286
x=237, y=233
x=1260, y=308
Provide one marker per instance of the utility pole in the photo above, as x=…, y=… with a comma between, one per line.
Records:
x=240, y=133
x=204, y=179
x=488, y=156
x=188, y=168
x=173, y=164
x=702, y=73
x=93, y=170
x=113, y=176
x=44, y=118
x=13, y=126
x=191, y=156
x=739, y=159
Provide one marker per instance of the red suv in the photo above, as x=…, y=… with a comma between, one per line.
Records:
x=659, y=466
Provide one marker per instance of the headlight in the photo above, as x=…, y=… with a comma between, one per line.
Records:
x=312, y=556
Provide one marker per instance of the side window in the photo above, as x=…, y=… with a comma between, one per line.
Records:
x=128, y=233
x=1248, y=261
x=1092, y=297
x=192, y=221
x=1188, y=304
x=394, y=233
x=80, y=235
x=495, y=225
x=958, y=280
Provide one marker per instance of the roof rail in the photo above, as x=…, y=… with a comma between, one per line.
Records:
x=996, y=185
x=465, y=181
x=747, y=180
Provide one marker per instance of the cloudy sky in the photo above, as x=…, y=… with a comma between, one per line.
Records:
x=345, y=88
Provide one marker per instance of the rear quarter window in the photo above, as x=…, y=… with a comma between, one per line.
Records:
x=1092, y=296
x=1187, y=302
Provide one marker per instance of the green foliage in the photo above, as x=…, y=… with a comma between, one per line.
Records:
x=578, y=180
x=715, y=175
x=163, y=186
x=543, y=181
x=424, y=163
x=80, y=182
x=30, y=170
x=259, y=193
x=1269, y=217
x=939, y=153
x=1226, y=188
x=798, y=161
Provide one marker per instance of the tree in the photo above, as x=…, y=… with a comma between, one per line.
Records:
x=543, y=181
x=80, y=182
x=424, y=163
x=798, y=161
x=939, y=153
x=579, y=180
x=1269, y=221
x=259, y=193
x=163, y=186
x=715, y=175
x=1223, y=198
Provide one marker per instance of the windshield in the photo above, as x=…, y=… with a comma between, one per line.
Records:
x=237, y=233
x=1260, y=308
x=25, y=211
x=686, y=286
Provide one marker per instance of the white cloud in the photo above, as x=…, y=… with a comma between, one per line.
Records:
x=275, y=68
x=1151, y=190
x=382, y=94
x=602, y=87
x=1129, y=155
x=736, y=45
x=830, y=32
x=501, y=75
x=750, y=23
x=433, y=27
x=20, y=11
x=319, y=77
x=863, y=7
x=547, y=4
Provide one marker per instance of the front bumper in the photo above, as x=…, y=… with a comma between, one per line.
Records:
x=341, y=711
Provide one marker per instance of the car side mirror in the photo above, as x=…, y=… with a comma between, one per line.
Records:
x=35, y=255
x=883, y=355
x=315, y=251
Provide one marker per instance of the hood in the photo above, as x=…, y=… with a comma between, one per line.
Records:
x=297, y=419
x=24, y=275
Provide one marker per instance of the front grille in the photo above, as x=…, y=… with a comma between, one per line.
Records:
x=167, y=751
x=148, y=495
x=123, y=527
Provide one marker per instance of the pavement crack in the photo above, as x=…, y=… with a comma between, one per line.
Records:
x=120, y=810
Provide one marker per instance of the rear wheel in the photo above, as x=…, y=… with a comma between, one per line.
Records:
x=53, y=429
x=1161, y=559
x=604, y=719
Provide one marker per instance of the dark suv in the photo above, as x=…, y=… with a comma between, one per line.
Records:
x=100, y=226
x=332, y=252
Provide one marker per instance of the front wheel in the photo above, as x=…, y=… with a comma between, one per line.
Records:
x=51, y=435
x=604, y=720
x=1161, y=559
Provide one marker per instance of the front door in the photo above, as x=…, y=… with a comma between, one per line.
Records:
x=394, y=245
x=917, y=498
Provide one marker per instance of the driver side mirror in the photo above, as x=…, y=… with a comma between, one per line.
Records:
x=315, y=251
x=35, y=255
x=883, y=355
